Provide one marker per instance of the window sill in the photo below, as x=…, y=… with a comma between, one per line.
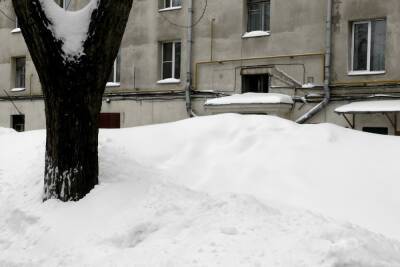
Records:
x=360, y=73
x=112, y=84
x=16, y=90
x=255, y=34
x=169, y=81
x=16, y=30
x=170, y=8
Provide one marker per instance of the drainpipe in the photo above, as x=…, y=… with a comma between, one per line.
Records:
x=327, y=68
x=189, y=71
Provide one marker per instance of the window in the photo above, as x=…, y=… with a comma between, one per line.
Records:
x=171, y=3
x=64, y=3
x=376, y=130
x=368, y=46
x=18, y=122
x=171, y=60
x=16, y=29
x=20, y=72
x=115, y=75
x=258, y=15
x=257, y=83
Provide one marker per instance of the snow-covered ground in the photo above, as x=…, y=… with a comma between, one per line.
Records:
x=225, y=190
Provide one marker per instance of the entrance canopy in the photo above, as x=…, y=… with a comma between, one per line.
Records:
x=377, y=106
x=386, y=107
x=251, y=103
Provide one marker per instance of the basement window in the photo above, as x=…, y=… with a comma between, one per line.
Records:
x=18, y=122
x=258, y=16
x=368, y=47
x=376, y=130
x=257, y=83
x=170, y=62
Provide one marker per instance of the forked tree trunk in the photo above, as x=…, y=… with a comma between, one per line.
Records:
x=73, y=90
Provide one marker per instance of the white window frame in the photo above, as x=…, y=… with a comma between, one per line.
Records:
x=164, y=80
x=369, y=47
x=170, y=7
x=17, y=28
x=18, y=87
x=251, y=33
x=115, y=82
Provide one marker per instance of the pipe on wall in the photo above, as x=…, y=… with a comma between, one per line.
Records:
x=327, y=68
x=189, y=51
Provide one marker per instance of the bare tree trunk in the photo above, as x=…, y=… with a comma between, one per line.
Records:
x=73, y=90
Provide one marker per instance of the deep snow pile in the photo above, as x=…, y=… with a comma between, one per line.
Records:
x=212, y=191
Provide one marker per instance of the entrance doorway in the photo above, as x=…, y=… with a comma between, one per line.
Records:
x=255, y=83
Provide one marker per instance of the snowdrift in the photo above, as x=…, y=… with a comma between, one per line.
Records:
x=225, y=190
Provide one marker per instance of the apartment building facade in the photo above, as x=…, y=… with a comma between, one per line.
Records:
x=176, y=55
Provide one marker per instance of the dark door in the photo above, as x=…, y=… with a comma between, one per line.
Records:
x=18, y=122
x=110, y=120
x=258, y=83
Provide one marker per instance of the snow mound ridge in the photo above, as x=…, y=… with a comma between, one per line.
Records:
x=225, y=190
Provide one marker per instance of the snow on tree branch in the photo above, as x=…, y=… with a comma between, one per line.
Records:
x=70, y=27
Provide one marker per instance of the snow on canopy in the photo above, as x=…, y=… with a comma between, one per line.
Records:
x=370, y=107
x=252, y=98
x=71, y=27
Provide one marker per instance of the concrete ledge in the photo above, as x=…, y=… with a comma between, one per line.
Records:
x=280, y=109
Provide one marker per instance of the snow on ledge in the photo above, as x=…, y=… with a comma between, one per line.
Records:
x=71, y=27
x=360, y=73
x=169, y=81
x=169, y=8
x=309, y=85
x=251, y=98
x=16, y=30
x=17, y=90
x=256, y=34
x=113, y=84
x=370, y=107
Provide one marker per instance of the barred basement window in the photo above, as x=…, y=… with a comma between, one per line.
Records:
x=171, y=60
x=18, y=122
x=368, y=46
x=258, y=15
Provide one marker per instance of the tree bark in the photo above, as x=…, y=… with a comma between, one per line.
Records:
x=73, y=90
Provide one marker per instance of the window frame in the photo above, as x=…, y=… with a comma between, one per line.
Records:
x=17, y=79
x=173, y=62
x=64, y=3
x=16, y=29
x=369, y=49
x=20, y=127
x=164, y=7
x=265, y=19
x=116, y=81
